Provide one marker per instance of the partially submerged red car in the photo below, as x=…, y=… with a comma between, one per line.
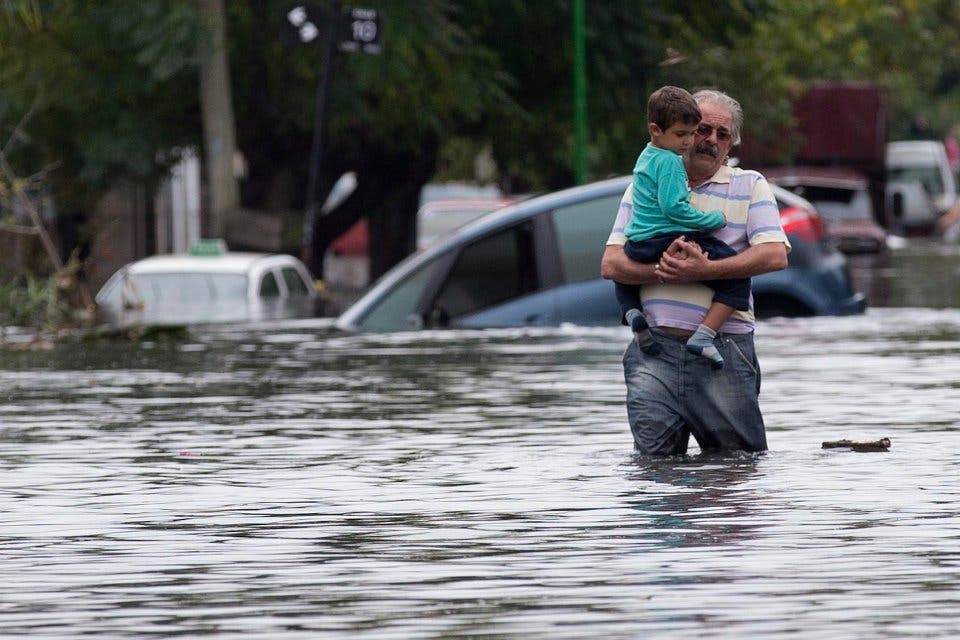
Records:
x=842, y=198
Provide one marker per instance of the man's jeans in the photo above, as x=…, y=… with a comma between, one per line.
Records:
x=675, y=394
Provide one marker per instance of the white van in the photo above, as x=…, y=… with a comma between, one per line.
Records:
x=439, y=218
x=923, y=161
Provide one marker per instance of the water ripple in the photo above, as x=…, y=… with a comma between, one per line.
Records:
x=288, y=481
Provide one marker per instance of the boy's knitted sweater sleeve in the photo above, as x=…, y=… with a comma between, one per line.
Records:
x=674, y=196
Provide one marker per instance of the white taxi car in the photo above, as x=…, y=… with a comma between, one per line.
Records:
x=207, y=285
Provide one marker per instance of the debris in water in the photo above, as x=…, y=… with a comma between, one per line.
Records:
x=883, y=444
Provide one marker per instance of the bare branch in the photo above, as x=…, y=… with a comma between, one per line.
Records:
x=19, y=130
x=19, y=193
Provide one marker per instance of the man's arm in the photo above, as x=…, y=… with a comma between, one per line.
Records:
x=690, y=264
x=615, y=265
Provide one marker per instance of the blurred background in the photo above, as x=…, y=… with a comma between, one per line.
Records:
x=131, y=129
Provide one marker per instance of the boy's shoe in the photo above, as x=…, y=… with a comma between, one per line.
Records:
x=709, y=352
x=641, y=333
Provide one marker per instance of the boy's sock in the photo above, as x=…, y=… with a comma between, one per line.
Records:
x=701, y=343
x=641, y=332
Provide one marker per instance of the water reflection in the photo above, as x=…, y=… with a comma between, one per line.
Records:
x=697, y=500
x=922, y=273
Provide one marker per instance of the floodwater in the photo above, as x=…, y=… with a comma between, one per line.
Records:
x=288, y=481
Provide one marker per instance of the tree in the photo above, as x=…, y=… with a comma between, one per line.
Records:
x=219, y=133
x=387, y=114
x=111, y=83
x=905, y=45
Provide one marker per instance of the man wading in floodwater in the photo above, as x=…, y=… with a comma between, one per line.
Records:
x=674, y=393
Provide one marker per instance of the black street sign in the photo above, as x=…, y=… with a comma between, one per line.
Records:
x=360, y=31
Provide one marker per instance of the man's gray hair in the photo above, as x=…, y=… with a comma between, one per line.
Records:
x=732, y=106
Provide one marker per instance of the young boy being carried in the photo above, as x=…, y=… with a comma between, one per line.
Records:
x=662, y=212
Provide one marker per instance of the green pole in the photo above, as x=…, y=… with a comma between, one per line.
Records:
x=579, y=94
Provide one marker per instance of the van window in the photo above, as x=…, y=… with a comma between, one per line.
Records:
x=929, y=177
x=582, y=231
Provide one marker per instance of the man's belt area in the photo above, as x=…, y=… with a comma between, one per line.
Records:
x=677, y=333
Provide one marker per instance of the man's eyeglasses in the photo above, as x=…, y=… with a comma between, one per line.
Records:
x=722, y=134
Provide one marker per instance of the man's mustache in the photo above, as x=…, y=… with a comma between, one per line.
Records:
x=707, y=148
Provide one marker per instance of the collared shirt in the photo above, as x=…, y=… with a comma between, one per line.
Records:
x=753, y=218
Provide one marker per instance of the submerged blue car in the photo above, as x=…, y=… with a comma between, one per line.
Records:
x=537, y=263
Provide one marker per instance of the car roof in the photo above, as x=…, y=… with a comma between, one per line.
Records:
x=817, y=177
x=909, y=151
x=914, y=145
x=473, y=204
x=231, y=262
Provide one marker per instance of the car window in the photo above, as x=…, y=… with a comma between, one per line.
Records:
x=837, y=203
x=228, y=286
x=817, y=194
x=487, y=272
x=187, y=288
x=268, y=286
x=295, y=284
x=393, y=311
x=582, y=230
x=929, y=177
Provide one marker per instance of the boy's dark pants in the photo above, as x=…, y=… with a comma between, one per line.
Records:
x=734, y=292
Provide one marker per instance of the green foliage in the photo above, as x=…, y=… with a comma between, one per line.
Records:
x=41, y=303
x=114, y=81
x=905, y=45
x=110, y=83
x=625, y=45
x=113, y=85
x=432, y=81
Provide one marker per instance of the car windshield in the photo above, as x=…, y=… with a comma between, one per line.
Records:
x=187, y=288
x=838, y=203
x=929, y=177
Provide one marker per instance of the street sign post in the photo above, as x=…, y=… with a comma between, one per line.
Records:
x=354, y=29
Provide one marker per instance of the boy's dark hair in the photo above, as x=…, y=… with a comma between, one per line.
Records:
x=669, y=105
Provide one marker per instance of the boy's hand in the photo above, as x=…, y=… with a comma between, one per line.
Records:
x=675, y=249
x=683, y=261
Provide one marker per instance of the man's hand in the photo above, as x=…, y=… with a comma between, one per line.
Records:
x=683, y=261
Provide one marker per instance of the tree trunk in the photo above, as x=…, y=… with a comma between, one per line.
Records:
x=219, y=134
x=388, y=195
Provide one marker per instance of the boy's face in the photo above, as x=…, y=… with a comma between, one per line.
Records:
x=677, y=138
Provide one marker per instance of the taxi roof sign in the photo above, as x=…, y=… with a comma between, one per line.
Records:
x=208, y=247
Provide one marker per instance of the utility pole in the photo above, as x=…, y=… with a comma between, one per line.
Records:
x=357, y=29
x=219, y=134
x=310, y=255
